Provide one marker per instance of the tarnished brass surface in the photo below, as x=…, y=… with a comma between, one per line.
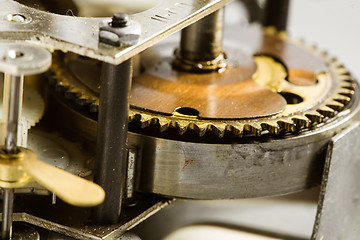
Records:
x=232, y=94
x=218, y=63
x=235, y=100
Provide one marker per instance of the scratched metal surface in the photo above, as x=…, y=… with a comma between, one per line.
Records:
x=80, y=35
x=338, y=214
x=238, y=170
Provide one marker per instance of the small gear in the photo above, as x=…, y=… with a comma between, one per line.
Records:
x=33, y=108
x=272, y=84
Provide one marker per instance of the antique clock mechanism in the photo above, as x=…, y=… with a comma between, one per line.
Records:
x=107, y=120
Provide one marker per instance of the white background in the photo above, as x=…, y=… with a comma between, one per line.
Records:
x=333, y=25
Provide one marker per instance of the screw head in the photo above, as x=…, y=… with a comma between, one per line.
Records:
x=120, y=20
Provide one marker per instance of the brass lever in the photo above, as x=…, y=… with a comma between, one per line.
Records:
x=18, y=169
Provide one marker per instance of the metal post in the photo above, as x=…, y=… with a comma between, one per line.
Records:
x=16, y=60
x=15, y=99
x=276, y=14
x=203, y=40
x=201, y=44
x=111, y=139
x=13, y=112
x=8, y=202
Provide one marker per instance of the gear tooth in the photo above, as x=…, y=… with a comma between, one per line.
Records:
x=59, y=81
x=63, y=81
x=342, y=70
x=81, y=101
x=346, y=77
x=287, y=124
x=326, y=111
x=315, y=117
x=146, y=120
x=200, y=132
x=220, y=133
x=334, y=61
x=299, y=41
x=164, y=124
x=254, y=128
x=301, y=121
x=236, y=128
x=202, y=128
x=312, y=47
x=59, y=87
x=181, y=131
x=348, y=86
x=271, y=126
x=335, y=105
x=173, y=124
x=68, y=94
x=133, y=115
x=182, y=127
x=347, y=93
x=193, y=126
x=349, y=80
x=342, y=99
x=325, y=55
x=131, y=118
x=218, y=129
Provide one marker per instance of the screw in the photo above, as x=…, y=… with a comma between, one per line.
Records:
x=120, y=20
x=18, y=18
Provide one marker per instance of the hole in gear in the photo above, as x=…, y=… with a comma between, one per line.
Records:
x=291, y=98
x=188, y=111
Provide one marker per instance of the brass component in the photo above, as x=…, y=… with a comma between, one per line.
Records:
x=216, y=64
x=201, y=45
x=33, y=106
x=270, y=73
x=16, y=170
x=11, y=173
x=315, y=87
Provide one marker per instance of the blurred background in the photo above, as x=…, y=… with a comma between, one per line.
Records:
x=333, y=25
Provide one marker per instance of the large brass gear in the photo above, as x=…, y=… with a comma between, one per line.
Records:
x=319, y=83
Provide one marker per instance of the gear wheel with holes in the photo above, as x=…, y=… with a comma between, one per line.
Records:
x=273, y=84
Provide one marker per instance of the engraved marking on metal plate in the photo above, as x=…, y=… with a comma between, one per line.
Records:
x=170, y=12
